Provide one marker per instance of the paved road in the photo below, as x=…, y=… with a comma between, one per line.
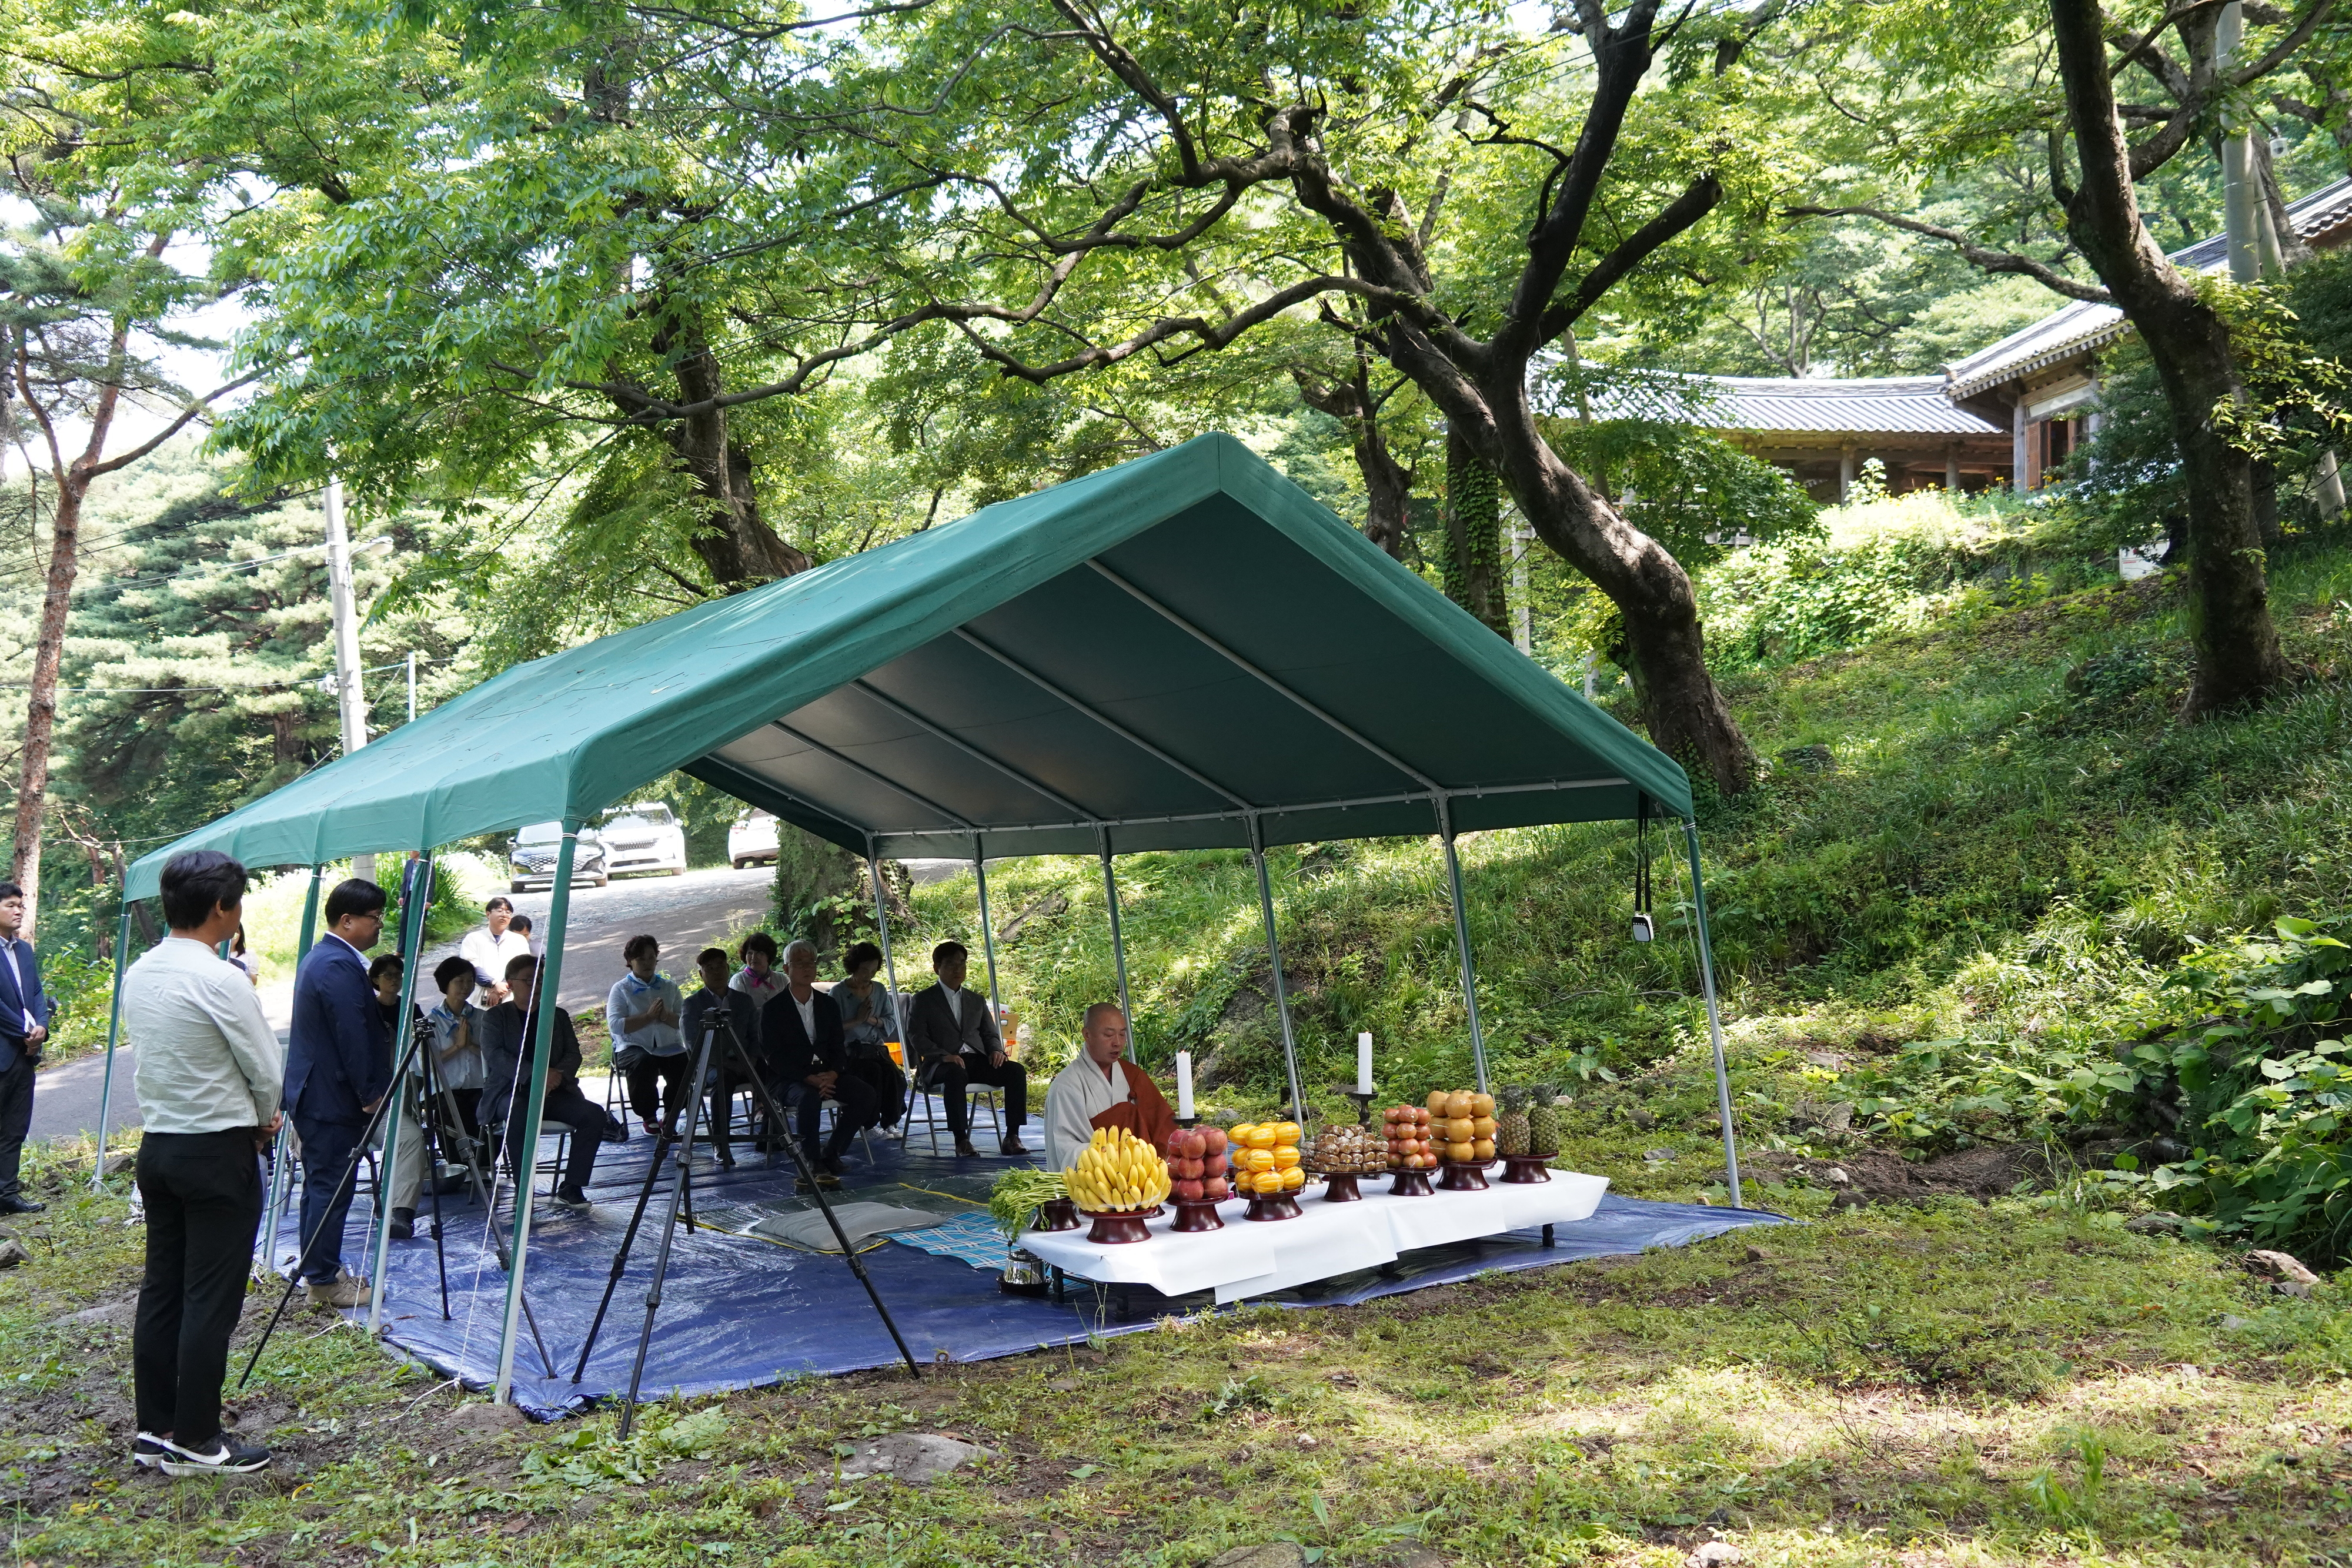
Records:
x=686, y=913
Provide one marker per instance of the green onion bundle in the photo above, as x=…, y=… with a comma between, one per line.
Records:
x=1016, y=1196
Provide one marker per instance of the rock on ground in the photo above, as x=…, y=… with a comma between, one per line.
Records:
x=1273, y=1554
x=915, y=1457
x=2280, y=1266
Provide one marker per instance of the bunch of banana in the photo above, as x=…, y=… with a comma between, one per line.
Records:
x=1116, y=1171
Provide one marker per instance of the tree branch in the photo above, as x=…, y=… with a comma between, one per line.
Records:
x=1979, y=257
x=1698, y=199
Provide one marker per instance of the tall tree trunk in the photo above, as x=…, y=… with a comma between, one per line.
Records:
x=1473, y=567
x=735, y=543
x=1388, y=484
x=1682, y=708
x=2239, y=660
x=41, y=700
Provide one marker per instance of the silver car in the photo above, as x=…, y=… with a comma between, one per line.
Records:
x=644, y=837
x=530, y=858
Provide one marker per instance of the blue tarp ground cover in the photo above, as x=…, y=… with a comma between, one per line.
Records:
x=737, y=1313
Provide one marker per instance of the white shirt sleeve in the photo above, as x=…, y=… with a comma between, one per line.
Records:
x=236, y=1007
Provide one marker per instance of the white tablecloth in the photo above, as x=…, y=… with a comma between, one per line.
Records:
x=1247, y=1258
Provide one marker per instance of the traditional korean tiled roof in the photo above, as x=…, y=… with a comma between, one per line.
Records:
x=1883, y=406
x=2084, y=325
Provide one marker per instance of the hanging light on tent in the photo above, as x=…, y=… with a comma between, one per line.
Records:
x=1645, y=928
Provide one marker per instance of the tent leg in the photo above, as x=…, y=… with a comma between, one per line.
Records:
x=1462, y=946
x=113, y=1034
x=541, y=1019
x=417, y=892
x=882, y=925
x=1714, y=1019
x=1274, y=957
x=987, y=931
x=281, y=1171
x=1118, y=947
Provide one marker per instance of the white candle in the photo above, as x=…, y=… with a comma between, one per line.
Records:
x=1364, y=1062
x=1183, y=1084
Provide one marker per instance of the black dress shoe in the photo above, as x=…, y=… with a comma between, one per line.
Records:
x=21, y=1206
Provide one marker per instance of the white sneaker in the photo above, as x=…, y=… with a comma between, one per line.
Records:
x=227, y=1458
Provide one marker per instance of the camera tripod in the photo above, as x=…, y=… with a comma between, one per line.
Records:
x=732, y=1056
x=350, y=1175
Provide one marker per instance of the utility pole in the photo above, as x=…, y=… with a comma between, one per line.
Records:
x=412, y=685
x=351, y=701
x=1523, y=629
x=2240, y=225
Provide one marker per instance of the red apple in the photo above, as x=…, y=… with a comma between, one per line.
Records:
x=1215, y=1190
x=1213, y=1141
x=1188, y=1191
x=1187, y=1170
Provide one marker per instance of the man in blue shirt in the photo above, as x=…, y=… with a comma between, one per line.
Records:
x=338, y=1069
x=23, y=1027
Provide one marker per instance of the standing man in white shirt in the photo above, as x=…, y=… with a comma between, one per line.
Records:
x=208, y=1070
x=489, y=949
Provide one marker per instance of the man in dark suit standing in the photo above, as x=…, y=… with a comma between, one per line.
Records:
x=800, y=1034
x=956, y=1043
x=23, y=1028
x=338, y=1070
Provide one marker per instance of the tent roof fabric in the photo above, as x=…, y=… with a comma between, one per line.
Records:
x=1155, y=656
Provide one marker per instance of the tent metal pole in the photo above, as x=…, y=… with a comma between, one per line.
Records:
x=114, y=1035
x=1714, y=1018
x=987, y=931
x=415, y=894
x=1274, y=957
x=541, y=1019
x=1118, y=942
x=882, y=925
x=281, y=1171
x=1461, y=944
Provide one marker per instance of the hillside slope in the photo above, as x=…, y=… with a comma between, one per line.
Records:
x=1983, y=847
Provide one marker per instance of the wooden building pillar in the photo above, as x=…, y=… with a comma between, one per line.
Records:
x=1952, y=467
x=1845, y=475
x=2019, y=480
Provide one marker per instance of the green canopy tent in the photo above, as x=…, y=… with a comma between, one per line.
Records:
x=1183, y=652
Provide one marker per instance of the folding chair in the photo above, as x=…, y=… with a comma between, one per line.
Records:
x=975, y=1093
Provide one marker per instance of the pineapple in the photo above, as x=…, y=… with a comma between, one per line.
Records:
x=1511, y=1128
x=1543, y=1125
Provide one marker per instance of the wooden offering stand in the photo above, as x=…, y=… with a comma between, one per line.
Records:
x=1197, y=1214
x=1525, y=1169
x=1341, y=1189
x=1057, y=1214
x=1126, y=1225
x=1274, y=1206
x=1468, y=1176
x=1404, y=1183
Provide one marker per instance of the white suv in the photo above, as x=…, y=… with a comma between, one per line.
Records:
x=753, y=839
x=646, y=836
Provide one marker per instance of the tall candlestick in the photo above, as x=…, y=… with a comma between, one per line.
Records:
x=1364, y=1062
x=1183, y=1084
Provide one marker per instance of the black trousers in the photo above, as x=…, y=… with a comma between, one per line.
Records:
x=859, y=1108
x=327, y=1149
x=657, y=1086
x=587, y=1121
x=950, y=1074
x=202, y=1196
x=883, y=1076
x=15, y=1118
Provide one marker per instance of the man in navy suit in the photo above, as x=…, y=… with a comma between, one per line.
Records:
x=23, y=1027
x=338, y=1070
x=800, y=1034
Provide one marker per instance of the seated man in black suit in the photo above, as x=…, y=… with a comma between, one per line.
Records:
x=800, y=1034
x=956, y=1042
